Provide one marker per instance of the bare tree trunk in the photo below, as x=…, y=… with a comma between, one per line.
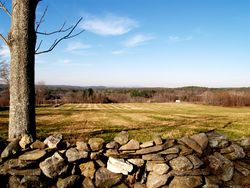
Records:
x=22, y=41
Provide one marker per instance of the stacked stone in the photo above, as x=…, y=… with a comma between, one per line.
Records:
x=207, y=160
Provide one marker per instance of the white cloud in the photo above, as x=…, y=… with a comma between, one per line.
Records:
x=75, y=46
x=118, y=52
x=109, y=24
x=176, y=39
x=137, y=40
x=4, y=51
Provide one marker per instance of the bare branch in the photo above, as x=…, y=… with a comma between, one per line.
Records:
x=61, y=30
x=38, y=47
x=4, y=39
x=68, y=36
x=41, y=19
x=5, y=9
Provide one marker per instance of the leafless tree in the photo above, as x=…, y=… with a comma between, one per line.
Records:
x=22, y=42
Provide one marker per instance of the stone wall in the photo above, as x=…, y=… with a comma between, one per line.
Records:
x=207, y=160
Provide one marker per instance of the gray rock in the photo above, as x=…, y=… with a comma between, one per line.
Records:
x=195, y=161
x=217, y=140
x=238, y=152
x=161, y=168
x=185, y=150
x=54, y=166
x=211, y=182
x=192, y=144
x=88, y=183
x=170, y=157
x=12, y=149
x=33, y=182
x=96, y=143
x=82, y=146
x=147, y=144
x=158, y=140
x=201, y=139
x=131, y=145
x=153, y=149
x=25, y=141
x=137, y=162
x=88, y=169
x=155, y=180
x=172, y=150
x=112, y=145
x=53, y=141
x=139, y=185
x=185, y=181
x=150, y=165
x=73, y=154
x=153, y=157
x=104, y=178
x=68, y=182
x=37, y=145
x=25, y=172
x=122, y=137
x=111, y=152
x=34, y=155
x=244, y=171
x=181, y=163
x=221, y=166
x=14, y=182
x=119, y=166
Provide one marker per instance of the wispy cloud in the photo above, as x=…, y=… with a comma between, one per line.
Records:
x=76, y=46
x=176, y=39
x=137, y=40
x=118, y=52
x=109, y=24
x=4, y=51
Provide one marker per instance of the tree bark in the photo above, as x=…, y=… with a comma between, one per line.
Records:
x=22, y=41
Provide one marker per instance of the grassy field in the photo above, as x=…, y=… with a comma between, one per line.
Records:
x=142, y=120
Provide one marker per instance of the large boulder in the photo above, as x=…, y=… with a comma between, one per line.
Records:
x=221, y=166
x=73, y=154
x=185, y=181
x=88, y=169
x=104, y=178
x=181, y=163
x=122, y=137
x=54, y=166
x=96, y=143
x=53, y=141
x=155, y=180
x=68, y=182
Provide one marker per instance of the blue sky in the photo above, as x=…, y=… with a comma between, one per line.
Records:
x=160, y=43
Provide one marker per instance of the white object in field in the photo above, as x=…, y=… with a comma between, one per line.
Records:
x=178, y=101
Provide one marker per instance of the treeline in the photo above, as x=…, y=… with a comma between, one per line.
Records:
x=64, y=94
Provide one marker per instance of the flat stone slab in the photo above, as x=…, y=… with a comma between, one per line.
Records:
x=192, y=144
x=131, y=145
x=32, y=155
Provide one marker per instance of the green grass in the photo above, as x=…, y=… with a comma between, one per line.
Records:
x=142, y=120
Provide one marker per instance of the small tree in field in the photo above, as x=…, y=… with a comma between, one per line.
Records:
x=21, y=41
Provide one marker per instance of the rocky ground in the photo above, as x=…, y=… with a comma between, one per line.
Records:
x=207, y=160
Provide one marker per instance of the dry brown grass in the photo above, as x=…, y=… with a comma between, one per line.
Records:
x=142, y=120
